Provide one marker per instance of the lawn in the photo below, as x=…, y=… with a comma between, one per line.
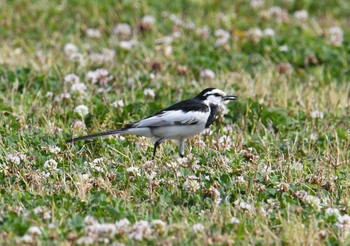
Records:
x=272, y=169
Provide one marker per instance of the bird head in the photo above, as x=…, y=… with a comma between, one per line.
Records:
x=214, y=96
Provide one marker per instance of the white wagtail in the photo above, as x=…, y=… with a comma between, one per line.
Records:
x=179, y=121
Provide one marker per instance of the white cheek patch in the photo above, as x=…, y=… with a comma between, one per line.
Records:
x=214, y=99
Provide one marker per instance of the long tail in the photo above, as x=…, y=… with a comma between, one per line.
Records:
x=111, y=132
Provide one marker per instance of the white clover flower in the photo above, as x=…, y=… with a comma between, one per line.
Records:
x=317, y=115
x=313, y=201
x=84, y=176
x=85, y=240
x=90, y=220
x=54, y=149
x=301, y=15
x=97, y=58
x=151, y=175
x=297, y=166
x=107, y=55
x=133, y=170
x=234, y=220
x=23, y=157
x=283, y=48
x=149, y=93
x=18, y=51
x=190, y=25
x=332, y=211
x=221, y=33
x=204, y=32
x=176, y=20
x=263, y=211
x=96, y=164
x=77, y=57
x=176, y=34
x=152, y=76
x=167, y=50
x=99, y=75
x=44, y=175
x=119, y=137
x=269, y=32
x=158, y=223
x=255, y=34
x=128, y=45
x=278, y=13
x=207, y=132
x=225, y=142
x=335, y=36
x=245, y=206
x=220, y=42
x=207, y=74
x=13, y=158
x=165, y=40
x=301, y=194
x=122, y=30
x=256, y=3
x=266, y=170
x=70, y=49
x=343, y=222
x=39, y=210
x=140, y=230
x=82, y=110
x=193, y=177
x=51, y=164
x=98, y=161
x=101, y=232
x=198, y=228
x=122, y=225
x=77, y=124
x=49, y=94
x=34, y=231
x=191, y=185
x=118, y=103
x=79, y=88
x=222, y=37
x=62, y=96
x=240, y=179
x=182, y=161
x=93, y=33
x=147, y=22
x=25, y=239
x=172, y=164
x=43, y=211
x=282, y=187
x=71, y=78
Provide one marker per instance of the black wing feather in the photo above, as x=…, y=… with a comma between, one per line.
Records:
x=187, y=106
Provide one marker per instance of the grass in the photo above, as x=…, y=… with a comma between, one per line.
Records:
x=281, y=176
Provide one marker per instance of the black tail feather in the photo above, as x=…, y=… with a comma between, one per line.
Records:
x=96, y=135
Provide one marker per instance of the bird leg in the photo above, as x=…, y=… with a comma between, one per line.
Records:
x=182, y=147
x=156, y=144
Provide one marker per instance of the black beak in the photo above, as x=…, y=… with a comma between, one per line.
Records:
x=226, y=98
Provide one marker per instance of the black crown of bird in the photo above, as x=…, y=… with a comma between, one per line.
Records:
x=178, y=122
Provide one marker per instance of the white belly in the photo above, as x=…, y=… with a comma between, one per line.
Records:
x=177, y=132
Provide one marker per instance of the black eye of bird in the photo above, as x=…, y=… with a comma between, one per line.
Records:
x=217, y=95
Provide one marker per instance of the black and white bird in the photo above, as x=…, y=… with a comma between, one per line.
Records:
x=178, y=122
